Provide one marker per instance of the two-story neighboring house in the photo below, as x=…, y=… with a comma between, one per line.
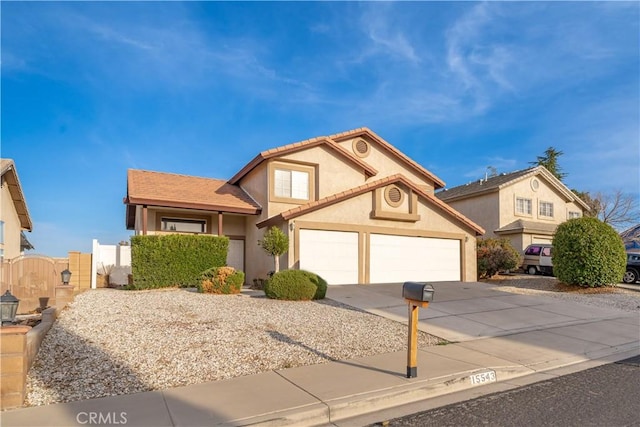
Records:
x=355, y=208
x=14, y=214
x=524, y=206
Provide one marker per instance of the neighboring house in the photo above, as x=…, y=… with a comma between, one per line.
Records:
x=14, y=214
x=525, y=206
x=356, y=210
x=631, y=237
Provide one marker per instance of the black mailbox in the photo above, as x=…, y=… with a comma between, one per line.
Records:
x=418, y=291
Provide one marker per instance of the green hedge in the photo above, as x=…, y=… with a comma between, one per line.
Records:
x=175, y=259
x=588, y=252
x=295, y=285
x=320, y=283
x=221, y=280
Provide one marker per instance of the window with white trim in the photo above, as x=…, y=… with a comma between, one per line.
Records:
x=574, y=214
x=546, y=209
x=523, y=206
x=184, y=225
x=291, y=184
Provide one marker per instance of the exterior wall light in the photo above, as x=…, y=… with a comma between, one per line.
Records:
x=66, y=277
x=8, y=308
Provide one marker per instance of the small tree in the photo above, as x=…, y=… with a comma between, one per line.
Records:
x=588, y=252
x=496, y=255
x=550, y=161
x=275, y=243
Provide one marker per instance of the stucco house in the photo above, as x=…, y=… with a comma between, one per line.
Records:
x=525, y=206
x=355, y=208
x=14, y=214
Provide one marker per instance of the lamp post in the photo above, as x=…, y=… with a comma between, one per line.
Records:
x=8, y=308
x=66, y=277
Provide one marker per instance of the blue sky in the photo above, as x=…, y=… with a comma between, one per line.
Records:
x=92, y=89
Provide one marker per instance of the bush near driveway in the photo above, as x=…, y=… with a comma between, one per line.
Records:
x=293, y=285
x=496, y=255
x=588, y=252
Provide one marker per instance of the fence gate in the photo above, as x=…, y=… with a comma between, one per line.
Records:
x=30, y=277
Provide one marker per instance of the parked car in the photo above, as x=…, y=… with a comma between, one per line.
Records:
x=632, y=274
x=537, y=259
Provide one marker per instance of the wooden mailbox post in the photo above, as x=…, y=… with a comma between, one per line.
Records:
x=417, y=294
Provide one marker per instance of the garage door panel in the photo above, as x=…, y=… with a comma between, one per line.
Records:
x=403, y=258
x=333, y=255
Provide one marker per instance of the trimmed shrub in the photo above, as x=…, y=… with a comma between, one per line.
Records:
x=587, y=252
x=321, y=292
x=221, y=280
x=175, y=259
x=294, y=285
x=496, y=255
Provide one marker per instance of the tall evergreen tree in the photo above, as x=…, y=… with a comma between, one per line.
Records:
x=550, y=161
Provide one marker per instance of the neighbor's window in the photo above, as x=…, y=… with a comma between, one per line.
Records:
x=573, y=214
x=291, y=184
x=523, y=206
x=546, y=209
x=184, y=225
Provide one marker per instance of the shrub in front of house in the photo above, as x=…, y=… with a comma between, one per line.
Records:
x=294, y=285
x=175, y=259
x=321, y=284
x=496, y=255
x=587, y=252
x=221, y=280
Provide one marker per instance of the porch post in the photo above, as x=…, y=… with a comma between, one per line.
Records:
x=144, y=220
x=219, y=223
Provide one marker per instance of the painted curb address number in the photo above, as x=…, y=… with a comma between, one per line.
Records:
x=483, y=378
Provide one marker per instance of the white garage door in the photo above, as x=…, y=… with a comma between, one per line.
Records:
x=333, y=255
x=235, y=255
x=401, y=258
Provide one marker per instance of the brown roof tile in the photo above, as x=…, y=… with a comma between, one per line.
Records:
x=183, y=191
x=345, y=195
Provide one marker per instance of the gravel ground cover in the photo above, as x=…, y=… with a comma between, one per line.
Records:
x=110, y=342
x=605, y=297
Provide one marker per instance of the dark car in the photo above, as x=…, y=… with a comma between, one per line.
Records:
x=632, y=275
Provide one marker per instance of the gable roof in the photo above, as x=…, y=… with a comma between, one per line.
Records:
x=496, y=183
x=438, y=183
x=524, y=226
x=189, y=192
x=345, y=195
x=10, y=176
x=303, y=145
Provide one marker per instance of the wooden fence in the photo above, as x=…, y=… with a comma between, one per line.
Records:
x=30, y=277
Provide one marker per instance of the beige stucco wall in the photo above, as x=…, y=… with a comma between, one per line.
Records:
x=545, y=193
x=387, y=164
x=256, y=184
x=483, y=210
x=8, y=214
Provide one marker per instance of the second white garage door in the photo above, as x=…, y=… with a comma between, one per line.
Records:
x=401, y=258
x=333, y=255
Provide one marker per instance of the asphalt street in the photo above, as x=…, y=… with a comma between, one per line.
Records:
x=607, y=395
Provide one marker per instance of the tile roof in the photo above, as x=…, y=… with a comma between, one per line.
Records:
x=10, y=175
x=345, y=195
x=190, y=192
x=522, y=225
x=297, y=146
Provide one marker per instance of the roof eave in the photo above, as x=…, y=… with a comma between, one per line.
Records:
x=199, y=206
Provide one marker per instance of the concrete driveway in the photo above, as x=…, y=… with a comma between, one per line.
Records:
x=473, y=310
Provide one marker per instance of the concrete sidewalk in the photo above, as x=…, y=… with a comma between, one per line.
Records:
x=517, y=337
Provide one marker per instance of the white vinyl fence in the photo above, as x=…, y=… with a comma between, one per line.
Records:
x=112, y=260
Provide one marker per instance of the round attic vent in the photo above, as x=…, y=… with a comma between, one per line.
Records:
x=535, y=184
x=361, y=147
x=393, y=195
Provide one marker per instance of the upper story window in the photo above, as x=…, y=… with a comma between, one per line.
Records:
x=291, y=183
x=546, y=209
x=184, y=225
x=523, y=206
x=573, y=214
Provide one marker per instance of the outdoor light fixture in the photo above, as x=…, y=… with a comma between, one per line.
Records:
x=66, y=276
x=8, y=308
